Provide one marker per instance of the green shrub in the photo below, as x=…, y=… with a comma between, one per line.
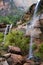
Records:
x=34, y=47
x=41, y=48
x=5, y=20
x=16, y=38
x=40, y=52
x=1, y=40
x=37, y=54
x=10, y=19
x=1, y=37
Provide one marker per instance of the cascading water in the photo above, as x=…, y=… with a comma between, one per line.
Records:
x=10, y=27
x=31, y=28
x=6, y=30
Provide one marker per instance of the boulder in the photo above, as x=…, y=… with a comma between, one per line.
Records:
x=15, y=59
x=3, y=61
x=10, y=61
x=27, y=64
x=15, y=50
x=2, y=25
x=7, y=55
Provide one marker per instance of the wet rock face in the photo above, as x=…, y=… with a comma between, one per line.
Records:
x=31, y=10
x=33, y=61
x=27, y=16
x=41, y=23
x=40, y=7
x=38, y=27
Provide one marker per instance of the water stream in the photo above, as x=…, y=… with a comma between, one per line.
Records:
x=10, y=27
x=7, y=29
x=31, y=28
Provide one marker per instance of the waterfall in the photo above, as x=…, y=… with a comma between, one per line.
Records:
x=30, y=50
x=31, y=28
x=6, y=31
x=10, y=27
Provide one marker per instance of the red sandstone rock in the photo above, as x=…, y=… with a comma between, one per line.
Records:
x=7, y=55
x=2, y=25
x=2, y=59
x=13, y=49
x=27, y=64
x=17, y=58
x=41, y=63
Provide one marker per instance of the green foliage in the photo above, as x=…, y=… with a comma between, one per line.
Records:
x=4, y=19
x=16, y=38
x=1, y=37
x=10, y=19
x=41, y=48
x=14, y=19
x=40, y=52
x=34, y=47
x=37, y=54
x=1, y=45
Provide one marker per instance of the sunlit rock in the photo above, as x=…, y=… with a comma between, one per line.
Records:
x=13, y=49
x=15, y=59
x=7, y=55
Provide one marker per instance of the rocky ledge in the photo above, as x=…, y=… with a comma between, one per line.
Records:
x=12, y=58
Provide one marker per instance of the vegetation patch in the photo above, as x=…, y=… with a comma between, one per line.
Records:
x=17, y=38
